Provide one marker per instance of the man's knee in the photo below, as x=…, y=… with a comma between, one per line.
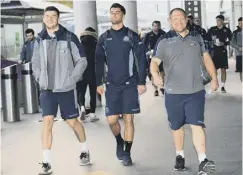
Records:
x=112, y=120
x=128, y=118
x=48, y=122
x=72, y=122
x=197, y=127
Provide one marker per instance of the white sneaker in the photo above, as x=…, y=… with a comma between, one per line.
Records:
x=84, y=158
x=93, y=117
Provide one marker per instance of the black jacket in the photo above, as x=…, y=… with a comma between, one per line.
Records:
x=151, y=39
x=89, y=41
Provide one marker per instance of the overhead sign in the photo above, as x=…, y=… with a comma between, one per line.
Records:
x=193, y=8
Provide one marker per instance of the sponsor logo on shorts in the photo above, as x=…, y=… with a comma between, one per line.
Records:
x=107, y=110
x=200, y=122
x=136, y=109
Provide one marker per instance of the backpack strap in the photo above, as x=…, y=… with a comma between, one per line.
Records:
x=105, y=36
x=69, y=39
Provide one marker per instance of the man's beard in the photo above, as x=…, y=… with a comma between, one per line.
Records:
x=183, y=30
x=51, y=28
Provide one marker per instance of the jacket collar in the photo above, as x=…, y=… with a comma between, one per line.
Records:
x=44, y=35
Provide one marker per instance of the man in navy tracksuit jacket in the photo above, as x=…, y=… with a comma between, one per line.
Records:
x=124, y=83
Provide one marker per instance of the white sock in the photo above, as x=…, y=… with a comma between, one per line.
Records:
x=47, y=156
x=201, y=157
x=84, y=146
x=82, y=108
x=223, y=84
x=180, y=153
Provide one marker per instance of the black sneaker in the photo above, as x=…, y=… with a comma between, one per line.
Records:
x=206, y=167
x=127, y=160
x=156, y=93
x=45, y=169
x=119, y=152
x=223, y=90
x=180, y=163
x=162, y=91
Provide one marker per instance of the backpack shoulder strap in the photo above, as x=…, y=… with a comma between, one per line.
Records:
x=69, y=39
x=130, y=35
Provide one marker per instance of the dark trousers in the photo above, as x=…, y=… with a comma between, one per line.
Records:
x=81, y=91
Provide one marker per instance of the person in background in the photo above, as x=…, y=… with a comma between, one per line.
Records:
x=219, y=37
x=193, y=27
x=236, y=43
x=89, y=40
x=149, y=41
x=27, y=50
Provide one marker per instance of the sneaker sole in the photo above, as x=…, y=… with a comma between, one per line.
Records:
x=129, y=164
x=83, y=115
x=85, y=164
x=184, y=169
x=49, y=173
x=94, y=120
x=209, y=168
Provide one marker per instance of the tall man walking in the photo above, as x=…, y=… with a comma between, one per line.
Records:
x=124, y=54
x=182, y=52
x=58, y=63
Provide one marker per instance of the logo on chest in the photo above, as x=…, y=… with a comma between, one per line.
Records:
x=126, y=39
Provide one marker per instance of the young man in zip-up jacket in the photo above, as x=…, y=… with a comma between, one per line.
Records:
x=124, y=81
x=57, y=68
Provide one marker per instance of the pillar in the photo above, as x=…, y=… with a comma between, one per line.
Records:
x=84, y=16
x=204, y=15
x=131, y=18
x=237, y=12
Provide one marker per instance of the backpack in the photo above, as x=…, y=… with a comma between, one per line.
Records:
x=131, y=40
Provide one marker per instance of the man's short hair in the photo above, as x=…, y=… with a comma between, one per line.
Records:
x=220, y=17
x=117, y=5
x=156, y=22
x=30, y=31
x=90, y=29
x=179, y=9
x=52, y=8
x=190, y=17
x=240, y=19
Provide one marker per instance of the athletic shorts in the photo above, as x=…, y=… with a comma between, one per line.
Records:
x=185, y=109
x=220, y=57
x=67, y=101
x=239, y=63
x=121, y=100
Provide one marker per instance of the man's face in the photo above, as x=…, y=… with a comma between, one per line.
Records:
x=50, y=19
x=116, y=15
x=240, y=24
x=156, y=27
x=29, y=36
x=220, y=22
x=197, y=22
x=178, y=21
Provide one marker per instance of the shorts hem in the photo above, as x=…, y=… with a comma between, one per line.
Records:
x=68, y=118
x=177, y=128
x=118, y=113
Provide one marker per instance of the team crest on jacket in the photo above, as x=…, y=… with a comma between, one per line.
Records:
x=126, y=39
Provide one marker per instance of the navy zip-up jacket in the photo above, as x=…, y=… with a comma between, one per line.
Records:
x=119, y=58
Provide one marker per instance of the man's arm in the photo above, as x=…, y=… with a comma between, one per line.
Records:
x=146, y=42
x=23, y=54
x=79, y=59
x=229, y=37
x=100, y=61
x=207, y=59
x=233, y=42
x=36, y=61
x=142, y=60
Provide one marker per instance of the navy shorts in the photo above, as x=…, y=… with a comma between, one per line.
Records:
x=185, y=109
x=67, y=101
x=121, y=100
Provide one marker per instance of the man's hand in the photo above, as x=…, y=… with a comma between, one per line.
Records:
x=141, y=89
x=100, y=90
x=214, y=85
x=158, y=81
x=20, y=61
x=240, y=49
